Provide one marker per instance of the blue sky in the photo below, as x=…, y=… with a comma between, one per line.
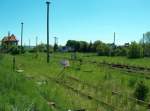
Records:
x=76, y=19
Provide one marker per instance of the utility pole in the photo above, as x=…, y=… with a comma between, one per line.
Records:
x=114, y=38
x=55, y=40
x=143, y=44
x=21, y=35
x=143, y=38
x=113, y=45
x=48, y=3
x=55, y=44
x=14, y=63
x=29, y=43
x=36, y=41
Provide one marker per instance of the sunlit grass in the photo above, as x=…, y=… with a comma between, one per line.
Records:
x=25, y=90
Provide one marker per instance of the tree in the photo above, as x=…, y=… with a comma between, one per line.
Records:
x=102, y=49
x=70, y=43
x=89, y=48
x=147, y=37
x=83, y=46
x=135, y=50
x=73, y=44
x=14, y=50
x=40, y=48
x=55, y=47
x=121, y=51
x=146, y=44
x=95, y=45
x=147, y=50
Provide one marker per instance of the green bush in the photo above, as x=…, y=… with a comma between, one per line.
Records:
x=103, y=49
x=135, y=50
x=55, y=47
x=141, y=91
x=14, y=50
x=41, y=48
x=121, y=51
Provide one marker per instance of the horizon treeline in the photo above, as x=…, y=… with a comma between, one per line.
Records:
x=131, y=50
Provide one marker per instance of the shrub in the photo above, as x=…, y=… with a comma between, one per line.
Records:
x=14, y=50
x=41, y=48
x=147, y=50
x=141, y=91
x=135, y=50
x=103, y=49
x=121, y=51
x=55, y=47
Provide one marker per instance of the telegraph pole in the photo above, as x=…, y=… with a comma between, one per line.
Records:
x=55, y=44
x=143, y=44
x=21, y=35
x=36, y=41
x=143, y=38
x=113, y=46
x=55, y=40
x=48, y=3
x=29, y=43
x=114, y=38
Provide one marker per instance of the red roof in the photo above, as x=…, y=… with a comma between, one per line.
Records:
x=11, y=38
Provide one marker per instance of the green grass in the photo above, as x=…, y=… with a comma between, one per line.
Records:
x=120, y=60
x=23, y=91
x=16, y=92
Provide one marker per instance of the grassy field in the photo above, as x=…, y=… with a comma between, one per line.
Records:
x=50, y=87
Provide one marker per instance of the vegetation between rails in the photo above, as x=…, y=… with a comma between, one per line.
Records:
x=35, y=76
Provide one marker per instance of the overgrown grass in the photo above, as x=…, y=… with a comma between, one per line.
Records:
x=22, y=91
x=19, y=94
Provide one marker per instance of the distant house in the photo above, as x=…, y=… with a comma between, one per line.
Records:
x=66, y=49
x=9, y=41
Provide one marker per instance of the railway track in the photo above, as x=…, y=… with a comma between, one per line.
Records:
x=123, y=66
x=128, y=68
x=63, y=83
x=143, y=72
x=143, y=103
x=85, y=95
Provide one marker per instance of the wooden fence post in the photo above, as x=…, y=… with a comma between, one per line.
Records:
x=14, y=63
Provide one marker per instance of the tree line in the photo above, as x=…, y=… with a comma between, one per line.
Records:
x=132, y=50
